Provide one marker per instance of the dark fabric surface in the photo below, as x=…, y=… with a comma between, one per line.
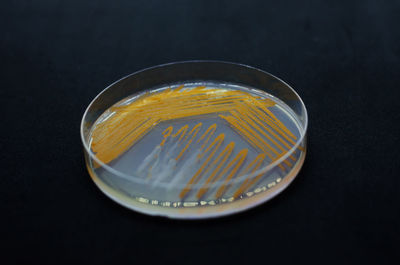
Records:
x=342, y=57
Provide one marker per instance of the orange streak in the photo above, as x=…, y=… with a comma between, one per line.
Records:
x=248, y=119
x=197, y=128
x=259, y=159
x=252, y=140
x=131, y=121
x=252, y=132
x=107, y=153
x=218, y=141
x=167, y=132
x=227, y=152
x=278, y=122
x=182, y=132
x=210, y=130
x=241, y=157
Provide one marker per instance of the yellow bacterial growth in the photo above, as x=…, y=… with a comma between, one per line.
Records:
x=250, y=116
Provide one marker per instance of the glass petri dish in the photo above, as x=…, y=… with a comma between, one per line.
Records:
x=195, y=139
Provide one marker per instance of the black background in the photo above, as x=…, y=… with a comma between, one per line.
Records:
x=342, y=57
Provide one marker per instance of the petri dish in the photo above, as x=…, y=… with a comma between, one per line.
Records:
x=194, y=139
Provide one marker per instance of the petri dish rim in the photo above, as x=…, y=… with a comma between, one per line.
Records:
x=139, y=180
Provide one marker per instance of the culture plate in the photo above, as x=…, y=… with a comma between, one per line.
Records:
x=195, y=139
